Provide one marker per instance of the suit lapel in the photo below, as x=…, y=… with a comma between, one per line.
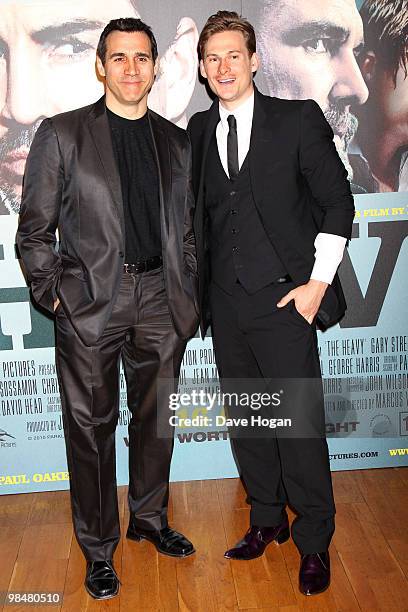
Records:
x=265, y=127
x=162, y=151
x=101, y=135
x=212, y=120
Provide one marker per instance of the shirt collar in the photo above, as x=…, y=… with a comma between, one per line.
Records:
x=243, y=113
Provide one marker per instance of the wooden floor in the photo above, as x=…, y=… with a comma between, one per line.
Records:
x=369, y=552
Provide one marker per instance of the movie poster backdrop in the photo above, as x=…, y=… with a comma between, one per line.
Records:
x=308, y=50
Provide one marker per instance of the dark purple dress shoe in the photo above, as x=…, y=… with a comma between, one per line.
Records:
x=314, y=575
x=256, y=540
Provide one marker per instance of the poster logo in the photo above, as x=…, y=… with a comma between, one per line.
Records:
x=381, y=425
x=4, y=436
x=6, y=439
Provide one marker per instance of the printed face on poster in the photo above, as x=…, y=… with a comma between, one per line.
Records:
x=352, y=59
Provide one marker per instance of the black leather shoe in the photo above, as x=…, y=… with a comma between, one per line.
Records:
x=256, y=540
x=314, y=575
x=101, y=580
x=166, y=541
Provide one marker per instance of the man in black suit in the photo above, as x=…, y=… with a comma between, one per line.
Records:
x=114, y=178
x=273, y=213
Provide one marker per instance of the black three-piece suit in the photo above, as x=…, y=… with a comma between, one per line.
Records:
x=72, y=183
x=252, y=232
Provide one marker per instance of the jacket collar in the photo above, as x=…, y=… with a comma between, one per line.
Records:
x=101, y=134
x=162, y=151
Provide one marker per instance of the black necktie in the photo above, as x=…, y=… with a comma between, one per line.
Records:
x=232, y=148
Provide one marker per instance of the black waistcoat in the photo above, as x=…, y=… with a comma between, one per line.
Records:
x=239, y=246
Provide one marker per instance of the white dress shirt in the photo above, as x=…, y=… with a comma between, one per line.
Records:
x=243, y=114
x=329, y=247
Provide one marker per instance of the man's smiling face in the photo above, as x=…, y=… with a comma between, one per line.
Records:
x=229, y=67
x=128, y=68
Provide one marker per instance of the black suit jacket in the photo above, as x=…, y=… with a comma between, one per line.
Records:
x=299, y=185
x=72, y=183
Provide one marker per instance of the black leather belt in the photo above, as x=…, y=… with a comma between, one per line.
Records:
x=143, y=265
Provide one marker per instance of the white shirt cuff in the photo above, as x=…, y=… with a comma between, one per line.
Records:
x=328, y=255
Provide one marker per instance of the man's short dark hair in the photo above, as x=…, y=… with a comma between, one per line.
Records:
x=125, y=24
x=224, y=21
x=386, y=32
